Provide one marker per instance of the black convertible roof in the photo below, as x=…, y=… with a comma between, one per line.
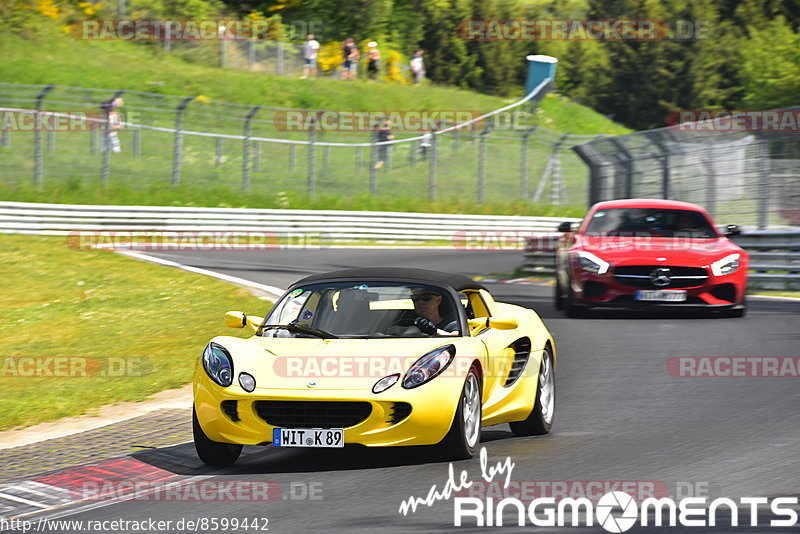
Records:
x=395, y=274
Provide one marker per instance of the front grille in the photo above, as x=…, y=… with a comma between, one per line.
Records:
x=231, y=409
x=399, y=411
x=312, y=414
x=639, y=276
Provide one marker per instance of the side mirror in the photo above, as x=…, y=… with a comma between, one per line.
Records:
x=732, y=230
x=237, y=319
x=565, y=226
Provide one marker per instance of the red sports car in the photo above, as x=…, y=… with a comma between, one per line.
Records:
x=638, y=253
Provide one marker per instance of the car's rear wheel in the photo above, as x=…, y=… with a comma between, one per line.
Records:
x=212, y=452
x=540, y=421
x=462, y=441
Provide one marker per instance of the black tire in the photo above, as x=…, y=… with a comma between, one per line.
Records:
x=455, y=445
x=212, y=452
x=571, y=309
x=538, y=423
x=558, y=295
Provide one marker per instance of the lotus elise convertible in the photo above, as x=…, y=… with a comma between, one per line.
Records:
x=375, y=357
x=639, y=253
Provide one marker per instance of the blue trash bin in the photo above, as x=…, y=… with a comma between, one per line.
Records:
x=539, y=68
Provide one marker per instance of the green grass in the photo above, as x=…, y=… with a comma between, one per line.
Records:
x=72, y=170
x=59, y=302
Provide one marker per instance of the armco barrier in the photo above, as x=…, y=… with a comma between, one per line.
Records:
x=355, y=226
x=774, y=257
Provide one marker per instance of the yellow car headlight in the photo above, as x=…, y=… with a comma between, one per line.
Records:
x=429, y=366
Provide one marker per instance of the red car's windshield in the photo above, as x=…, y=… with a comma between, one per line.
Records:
x=650, y=222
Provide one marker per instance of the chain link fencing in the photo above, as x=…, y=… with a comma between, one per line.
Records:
x=195, y=142
x=740, y=176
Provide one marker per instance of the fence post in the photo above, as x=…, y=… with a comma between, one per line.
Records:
x=218, y=155
x=762, y=148
x=105, y=169
x=37, y=137
x=373, y=171
x=177, y=153
x=455, y=139
x=251, y=54
x=312, y=134
x=523, y=163
x=412, y=153
x=629, y=168
x=482, y=162
x=432, y=167
x=137, y=143
x=279, y=58
x=246, y=149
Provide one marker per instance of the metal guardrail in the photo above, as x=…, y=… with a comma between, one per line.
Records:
x=774, y=257
x=463, y=231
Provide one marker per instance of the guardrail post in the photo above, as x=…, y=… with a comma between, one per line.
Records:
x=218, y=153
x=432, y=167
x=523, y=163
x=37, y=137
x=312, y=134
x=177, y=153
x=246, y=149
x=105, y=169
x=482, y=162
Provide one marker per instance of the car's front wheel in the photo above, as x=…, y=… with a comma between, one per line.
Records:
x=540, y=421
x=212, y=452
x=558, y=295
x=571, y=308
x=462, y=441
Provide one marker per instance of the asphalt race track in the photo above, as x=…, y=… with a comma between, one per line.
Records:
x=620, y=415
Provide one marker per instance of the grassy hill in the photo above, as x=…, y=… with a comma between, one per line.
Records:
x=72, y=173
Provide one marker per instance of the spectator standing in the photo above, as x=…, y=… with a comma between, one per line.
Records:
x=310, y=55
x=112, y=124
x=373, y=61
x=417, y=65
x=350, y=63
x=384, y=134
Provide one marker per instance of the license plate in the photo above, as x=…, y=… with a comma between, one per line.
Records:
x=308, y=437
x=661, y=296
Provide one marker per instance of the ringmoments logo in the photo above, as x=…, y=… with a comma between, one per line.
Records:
x=615, y=511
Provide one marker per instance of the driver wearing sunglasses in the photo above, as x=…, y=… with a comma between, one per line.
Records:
x=430, y=321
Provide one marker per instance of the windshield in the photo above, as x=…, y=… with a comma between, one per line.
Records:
x=364, y=310
x=650, y=222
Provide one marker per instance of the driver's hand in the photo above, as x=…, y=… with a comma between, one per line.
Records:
x=425, y=326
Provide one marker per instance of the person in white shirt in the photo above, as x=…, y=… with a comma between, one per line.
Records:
x=417, y=65
x=310, y=52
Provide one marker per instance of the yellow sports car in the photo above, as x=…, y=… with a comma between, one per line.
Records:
x=375, y=357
